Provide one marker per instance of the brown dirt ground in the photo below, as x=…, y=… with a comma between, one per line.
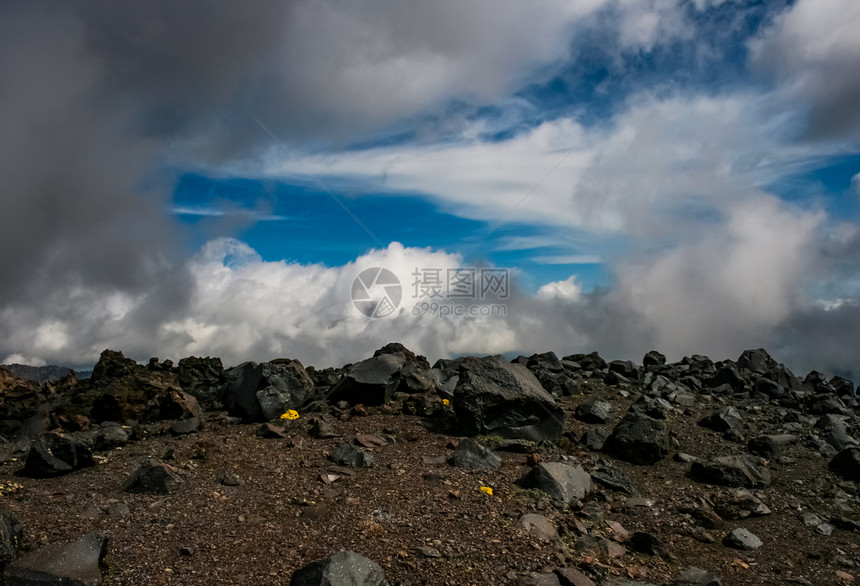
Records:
x=284, y=517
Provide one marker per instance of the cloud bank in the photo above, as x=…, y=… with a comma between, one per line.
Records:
x=671, y=185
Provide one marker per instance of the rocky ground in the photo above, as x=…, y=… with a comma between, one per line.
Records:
x=477, y=471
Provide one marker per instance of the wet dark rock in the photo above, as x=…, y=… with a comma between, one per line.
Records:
x=495, y=397
x=733, y=471
x=342, y=569
x=351, y=456
x=638, y=439
x=564, y=483
x=153, y=477
x=54, y=455
x=69, y=564
x=471, y=455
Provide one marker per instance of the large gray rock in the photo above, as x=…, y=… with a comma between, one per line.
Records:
x=563, y=482
x=473, y=456
x=260, y=392
x=345, y=568
x=54, y=455
x=735, y=471
x=495, y=397
x=68, y=564
x=371, y=381
x=638, y=439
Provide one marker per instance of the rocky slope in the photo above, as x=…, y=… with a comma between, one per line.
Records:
x=473, y=471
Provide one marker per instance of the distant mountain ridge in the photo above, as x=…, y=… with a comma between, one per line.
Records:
x=42, y=374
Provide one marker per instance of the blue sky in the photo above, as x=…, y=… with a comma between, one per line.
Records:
x=673, y=174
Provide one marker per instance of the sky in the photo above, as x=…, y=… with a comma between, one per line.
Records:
x=230, y=179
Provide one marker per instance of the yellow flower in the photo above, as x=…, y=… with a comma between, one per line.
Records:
x=291, y=414
x=487, y=490
x=446, y=402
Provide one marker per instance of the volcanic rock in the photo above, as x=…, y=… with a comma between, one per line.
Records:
x=54, y=455
x=471, y=455
x=371, y=381
x=638, y=439
x=734, y=471
x=153, y=477
x=261, y=392
x=69, y=564
x=345, y=568
x=565, y=483
x=495, y=397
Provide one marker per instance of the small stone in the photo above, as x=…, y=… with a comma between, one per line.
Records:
x=154, y=477
x=741, y=538
x=351, y=456
x=538, y=526
x=427, y=551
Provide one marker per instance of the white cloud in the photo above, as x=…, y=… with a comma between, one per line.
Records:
x=567, y=290
x=813, y=51
x=732, y=285
x=634, y=175
x=21, y=359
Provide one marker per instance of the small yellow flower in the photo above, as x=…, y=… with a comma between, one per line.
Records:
x=446, y=402
x=487, y=490
x=291, y=414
